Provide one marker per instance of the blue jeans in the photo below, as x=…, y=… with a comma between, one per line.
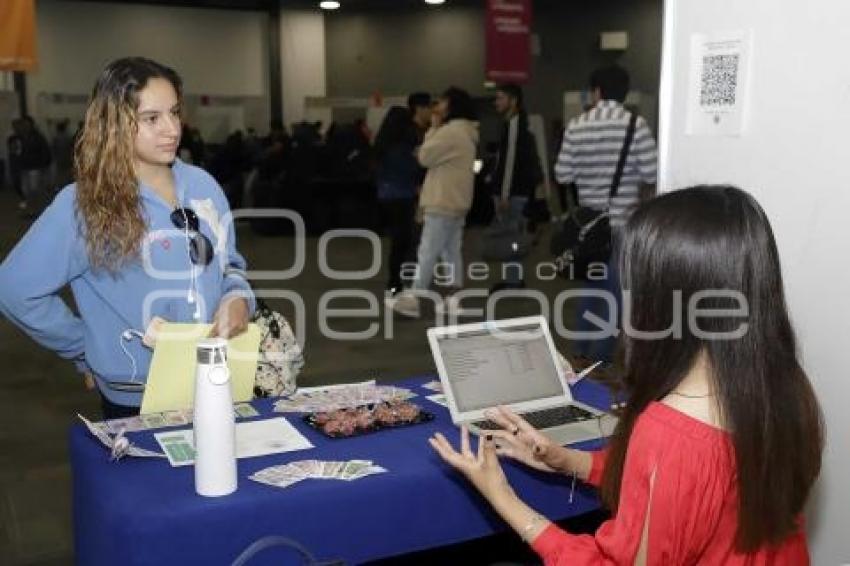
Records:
x=601, y=348
x=442, y=238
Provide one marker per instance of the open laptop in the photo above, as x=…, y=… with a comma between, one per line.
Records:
x=511, y=362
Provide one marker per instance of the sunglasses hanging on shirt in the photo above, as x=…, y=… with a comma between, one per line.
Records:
x=200, y=247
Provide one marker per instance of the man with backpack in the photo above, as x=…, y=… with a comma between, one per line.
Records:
x=596, y=144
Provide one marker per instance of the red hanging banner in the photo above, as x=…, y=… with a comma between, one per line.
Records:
x=17, y=35
x=508, y=33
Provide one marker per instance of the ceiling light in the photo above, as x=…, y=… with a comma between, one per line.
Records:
x=434, y=1
x=328, y=4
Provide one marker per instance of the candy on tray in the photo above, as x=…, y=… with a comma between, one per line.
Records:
x=341, y=423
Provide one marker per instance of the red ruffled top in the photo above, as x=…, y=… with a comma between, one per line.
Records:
x=692, y=503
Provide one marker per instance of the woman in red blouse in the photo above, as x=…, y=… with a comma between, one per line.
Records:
x=721, y=440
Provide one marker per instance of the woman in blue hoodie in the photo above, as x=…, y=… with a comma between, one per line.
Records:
x=140, y=237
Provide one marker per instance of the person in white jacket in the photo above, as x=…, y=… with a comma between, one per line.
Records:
x=448, y=154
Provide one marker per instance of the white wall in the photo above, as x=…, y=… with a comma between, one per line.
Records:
x=220, y=53
x=793, y=157
x=302, y=56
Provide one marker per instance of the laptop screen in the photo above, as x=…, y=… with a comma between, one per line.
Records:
x=502, y=366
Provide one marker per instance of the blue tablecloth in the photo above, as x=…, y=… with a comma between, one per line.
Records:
x=143, y=511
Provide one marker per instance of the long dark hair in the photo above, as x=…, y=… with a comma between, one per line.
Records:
x=396, y=129
x=107, y=188
x=718, y=238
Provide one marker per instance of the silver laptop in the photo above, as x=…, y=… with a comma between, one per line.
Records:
x=511, y=362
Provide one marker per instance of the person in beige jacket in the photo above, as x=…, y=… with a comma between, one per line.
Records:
x=448, y=153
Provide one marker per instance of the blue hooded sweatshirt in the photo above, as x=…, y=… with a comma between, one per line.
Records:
x=161, y=282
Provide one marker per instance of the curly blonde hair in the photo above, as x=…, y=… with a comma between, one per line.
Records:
x=107, y=187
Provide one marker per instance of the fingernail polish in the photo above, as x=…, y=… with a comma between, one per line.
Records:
x=489, y=438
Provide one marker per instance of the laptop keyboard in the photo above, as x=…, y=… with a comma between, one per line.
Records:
x=546, y=418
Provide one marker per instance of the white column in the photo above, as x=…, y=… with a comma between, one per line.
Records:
x=792, y=155
x=302, y=55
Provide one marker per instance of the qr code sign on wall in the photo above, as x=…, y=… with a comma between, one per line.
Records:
x=719, y=80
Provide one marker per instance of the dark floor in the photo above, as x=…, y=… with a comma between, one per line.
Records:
x=41, y=394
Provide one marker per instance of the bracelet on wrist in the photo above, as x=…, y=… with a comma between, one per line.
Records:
x=525, y=533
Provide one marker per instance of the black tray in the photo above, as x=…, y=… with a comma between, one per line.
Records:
x=313, y=419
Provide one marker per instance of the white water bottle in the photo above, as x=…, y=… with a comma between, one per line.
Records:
x=215, y=428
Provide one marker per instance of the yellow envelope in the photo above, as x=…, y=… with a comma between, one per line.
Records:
x=171, y=377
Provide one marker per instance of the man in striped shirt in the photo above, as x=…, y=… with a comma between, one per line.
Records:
x=588, y=157
x=592, y=144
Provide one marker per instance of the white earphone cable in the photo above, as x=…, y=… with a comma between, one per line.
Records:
x=192, y=298
x=125, y=336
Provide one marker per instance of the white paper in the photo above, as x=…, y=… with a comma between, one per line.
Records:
x=719, y=75
x=573, y=378
x=270, y=436
x=255, y=438
x=438, y=398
